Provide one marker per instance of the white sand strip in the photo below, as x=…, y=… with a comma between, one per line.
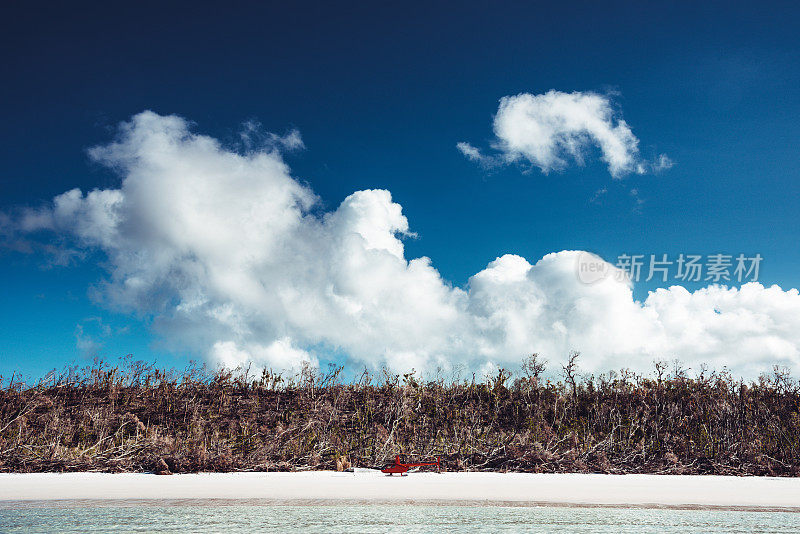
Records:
x=371, y=486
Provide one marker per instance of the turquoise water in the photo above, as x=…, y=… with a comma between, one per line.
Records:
x=214, y=516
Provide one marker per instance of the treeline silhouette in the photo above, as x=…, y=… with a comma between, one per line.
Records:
x=133, y=417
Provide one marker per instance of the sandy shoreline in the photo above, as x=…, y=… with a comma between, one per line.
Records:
x=683, y=491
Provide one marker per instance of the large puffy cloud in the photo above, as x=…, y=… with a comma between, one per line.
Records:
x=230, y=256
x=747, y=329
x=551, y=129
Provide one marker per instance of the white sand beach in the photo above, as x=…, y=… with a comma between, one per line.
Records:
x=372, y=486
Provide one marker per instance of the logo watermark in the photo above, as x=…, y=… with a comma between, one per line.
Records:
x=592, y=268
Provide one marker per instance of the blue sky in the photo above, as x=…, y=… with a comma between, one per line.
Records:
x=381, y=96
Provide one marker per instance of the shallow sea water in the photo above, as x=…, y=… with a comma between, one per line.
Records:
x=233, y=516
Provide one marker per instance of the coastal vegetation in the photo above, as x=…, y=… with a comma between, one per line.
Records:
x=132, y=417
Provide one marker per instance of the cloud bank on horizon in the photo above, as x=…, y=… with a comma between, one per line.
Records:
x=551, y=129
x=230, y=256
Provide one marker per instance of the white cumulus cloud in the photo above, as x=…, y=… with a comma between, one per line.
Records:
x=551, y=130
x=229, y=255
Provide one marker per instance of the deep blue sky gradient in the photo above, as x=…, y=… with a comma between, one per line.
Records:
x=381, y=95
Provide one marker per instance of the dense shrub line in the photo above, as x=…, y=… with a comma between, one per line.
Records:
x=133, y=417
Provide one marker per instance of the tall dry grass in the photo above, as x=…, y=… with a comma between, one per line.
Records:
x=134, y=417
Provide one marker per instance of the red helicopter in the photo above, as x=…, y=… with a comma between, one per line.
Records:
x=399, y=467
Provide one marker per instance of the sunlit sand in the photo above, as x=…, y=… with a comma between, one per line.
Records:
x=373, y=487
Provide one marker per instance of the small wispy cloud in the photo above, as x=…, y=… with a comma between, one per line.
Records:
x=254, y=137
x=89, y=335
x=598, y=195
x=638, y=200
x=473, y=154
x=551, y=130
x=662, y=163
